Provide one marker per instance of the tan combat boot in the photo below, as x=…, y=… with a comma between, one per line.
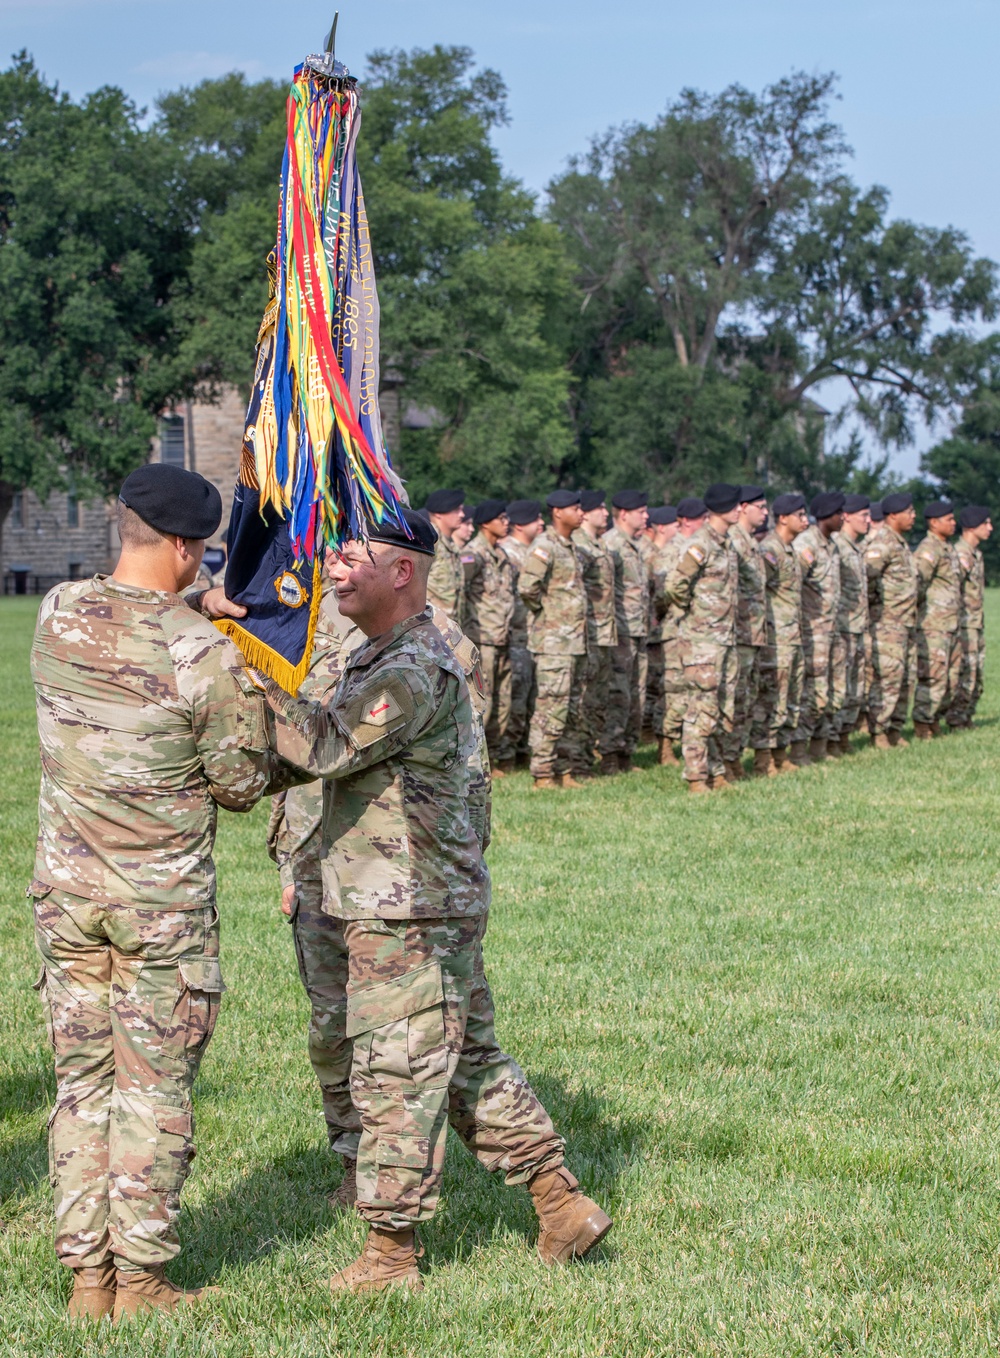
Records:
x=567, y=780
x=735, y=772
x=718, y=782
x=698, y=788
x=345, y=1197
x=845, y=743
x=609, y=765
x=833, y=750
x=896, y=740
x=151, y=1290
x=542, y=784
x=665, y=751
x=799, y=754
x=93, y=1292
x=936, y=727
x=817, y=749
x=781, y=760
x=389, y=1259
x=764, y=765
x=881, y=741
x=569, y=1222
x=923, y=730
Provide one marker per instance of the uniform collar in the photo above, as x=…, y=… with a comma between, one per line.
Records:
x=374, y=646
x=107, y=584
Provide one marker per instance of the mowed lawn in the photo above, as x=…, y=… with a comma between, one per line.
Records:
x=767, y=1022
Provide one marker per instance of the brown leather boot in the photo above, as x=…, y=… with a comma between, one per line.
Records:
x=833, y=750
x=817, y=749
x=718, y=782
x=698, y=788
x=151, y=1290
x=764, y=765
x=936, y=727
x=665, y=751
x=505, y=767
x=735, y=772
x=624, y=763
x=93, y=1292
x=845, y=743
x=345, y=1197
x=881, y=741
x=923, y=730
x=896, y=740
x=799, y=754
x=389, y=1259
x=542, y=784
x=567, y=780
x=609, y=765
x=781, y=760
x=569, y=1222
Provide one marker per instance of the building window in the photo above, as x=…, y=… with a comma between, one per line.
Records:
x=72, y=514
x=17, y=511
x=172, y=440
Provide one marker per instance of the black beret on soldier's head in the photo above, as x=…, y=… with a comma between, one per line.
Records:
x=173, y=500
x=591, y=499
x=521, y=512
x=562, y=499
x=662, y=515
x=424, y=535
x=897, y=503
x=691, y=508
x=721, y=497
x=972, y=516
x=630, y=499
x=444, y=501
x=826, y=504
x=750, y=495
x=488, y=511
x=938, y=509
x=791, y=503
x=878, y=513
x=854, y=504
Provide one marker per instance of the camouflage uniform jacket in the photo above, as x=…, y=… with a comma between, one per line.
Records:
x=972, y=578
x=939, y=586
x=704, y=584
x=446, y=583
x=599, y=582
x=402, y=831
x=551, y=585
x=784, y=591
x=516, y=552
x=631, y=584
x=751, y=607
x=664, y=615
x=147, y=724
x=852, y=612
x=892, y=580
x=820, y=563
x=489, y=593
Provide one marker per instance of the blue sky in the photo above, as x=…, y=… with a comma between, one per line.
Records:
x=920, y=97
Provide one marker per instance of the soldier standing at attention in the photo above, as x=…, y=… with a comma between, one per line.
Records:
x=751, y=626
x=892, y=613
x=403, y=868
x=939, y=620
x=668, y=720
x=628, y=674
x=602, y=628
x=551, y=586
x=147, y=724
x=976, y=529
x=819, y=561
x=489, y=611
x=776, y=714
x=661, y=529
x=850, y=648
x=446, y=585
x=526, y=523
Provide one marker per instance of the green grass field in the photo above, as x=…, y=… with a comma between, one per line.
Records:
x=767, y=1022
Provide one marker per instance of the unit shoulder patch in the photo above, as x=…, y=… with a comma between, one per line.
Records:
x=376, y=712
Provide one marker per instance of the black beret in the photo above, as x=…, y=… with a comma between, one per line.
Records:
x=562, y=499
x=662, y=515
x=489, y=509
x=878, y=513
x=721, y=497
x=591, y=499
x=424, y=535
x=173, y=500
x=445, y=501
x=854, y=504
x=897, y=502
x=973, y=515
x=630, y=499
x=692, y=508
x=788, y=504
x=937, y=509
x=524, y=511
x=749, y=494
x=826, y=504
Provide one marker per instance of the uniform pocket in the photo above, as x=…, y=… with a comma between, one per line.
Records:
x=174, y=1149
x=399, y=1025
x=199, y=990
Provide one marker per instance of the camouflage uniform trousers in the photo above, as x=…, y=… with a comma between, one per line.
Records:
x=495, y=666
x=849, y=666
x=970, y=679
x=817, y=688
x=711, y=683
x=939, y=666
x=747, y=683
x=420, y=1015
x=131, y=999
x=653, y=708
x=626, y=695
x=669, y=719
x=556, y=735
x=893, y=658
x=522, y=698
x=776, y=711
x=594, y=705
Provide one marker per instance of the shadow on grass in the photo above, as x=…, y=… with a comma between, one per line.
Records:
x=24, y=1095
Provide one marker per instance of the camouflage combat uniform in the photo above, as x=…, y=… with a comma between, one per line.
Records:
x=522, y=662
x=704, y=586
x=446, y=581
x=850, y=650
x=751, y=638
x=602, y=638
x=819, y=561
x=972, y=577
x=892, y=613
x=488, y=613
x=551, y=585
x=405, y=821
x=776, y=711
x=627, y=691
x=939, y=619
x=147, y=724
x=670, y=695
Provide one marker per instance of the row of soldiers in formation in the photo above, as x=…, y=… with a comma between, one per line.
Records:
x=704, y=626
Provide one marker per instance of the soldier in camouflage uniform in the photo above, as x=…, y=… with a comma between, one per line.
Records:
x=751, y=628
x=668, y=717
x=602, y=628
x=776, y=711
x=850, y=650
x=661, y=530
x=403, y=839
x=939, y=619
x=526, y=524
x=976, y=528
x=704, y=585
x=147, y=724
x=627, y=692
x=489, y=611
x=819, y=562
x=551, y=586
x=446, y=585
x=892, y=614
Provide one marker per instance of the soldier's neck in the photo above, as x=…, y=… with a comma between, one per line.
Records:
x=971, y=539
x=941, y=537
x=152, y=571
